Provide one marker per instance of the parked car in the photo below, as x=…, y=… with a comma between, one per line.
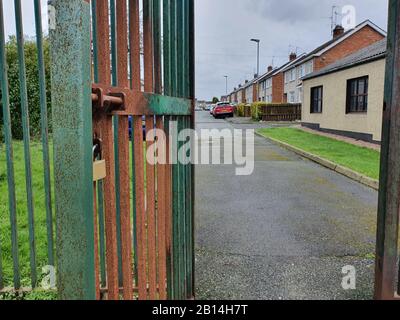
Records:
x=212, y=109
x=207, y=107
x=224, y=110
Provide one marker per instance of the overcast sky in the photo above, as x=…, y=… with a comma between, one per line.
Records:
x=224, y=29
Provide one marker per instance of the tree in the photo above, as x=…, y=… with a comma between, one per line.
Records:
x=32, y=78
x=215, y=100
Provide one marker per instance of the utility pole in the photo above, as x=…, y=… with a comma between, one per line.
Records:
x=226, y=84
x=258, y=54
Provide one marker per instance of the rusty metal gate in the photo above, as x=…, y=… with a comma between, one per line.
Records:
x=139, y=241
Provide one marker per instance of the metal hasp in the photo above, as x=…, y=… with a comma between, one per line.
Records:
x=73, y=143
x=389, y=194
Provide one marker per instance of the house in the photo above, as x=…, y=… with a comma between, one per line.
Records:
x=341, y=45
x=271, y=84
x=250, y=91
x=240, y=94
x=346, y=98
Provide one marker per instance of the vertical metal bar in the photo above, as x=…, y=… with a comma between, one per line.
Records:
x=192, y=125
x=189, y=188
x=167, y=91
x=26, y=135
x=182, y=168
x=161, y=215
x=100, y=196
x=389, y=193
x=181, y=214
x=151, y=213
x=140, y=207
x=150, y=171
x=123, y=154
x=96, y=246
x=134, y=54
x=71, y=96
x=174, y=151
x=44, y=132
x=161, y=167
x=175, y=211
x=104, y=127
x=114, y=81
x=9, y=151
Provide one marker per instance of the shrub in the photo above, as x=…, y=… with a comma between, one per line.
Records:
x=32, y=77
x=256, y=110
x=240, y=110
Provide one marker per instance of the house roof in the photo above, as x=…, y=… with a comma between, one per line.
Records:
x=371, y=53
x=279, y=69
x=334, y=42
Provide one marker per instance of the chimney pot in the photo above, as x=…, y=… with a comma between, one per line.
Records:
x=270, y=68
x=292, y=56
x=338, y=31
x=246, y=81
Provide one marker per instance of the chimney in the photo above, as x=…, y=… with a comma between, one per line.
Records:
x=246, y=81
x=292, y=56
x=338, y=31
x=234, y=89
x=270, y=68
x=240, y=85
x=255, y=76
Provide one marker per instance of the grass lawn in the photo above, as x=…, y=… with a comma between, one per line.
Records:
x=359, y=159
x=22, y=219
x=22, y=215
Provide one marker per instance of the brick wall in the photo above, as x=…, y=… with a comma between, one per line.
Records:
x=361, y=39
x=255, y=92
x=278, y=88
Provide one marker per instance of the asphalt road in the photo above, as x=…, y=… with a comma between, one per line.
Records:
x=284, y=232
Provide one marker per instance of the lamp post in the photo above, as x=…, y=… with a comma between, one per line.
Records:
x=226, y=85
x=258, y=54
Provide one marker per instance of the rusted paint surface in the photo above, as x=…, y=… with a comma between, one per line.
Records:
x=140, y=207
x=96, y=243
x=123, y=139
x=151, y=212
x=162, y=185
x=103, y=129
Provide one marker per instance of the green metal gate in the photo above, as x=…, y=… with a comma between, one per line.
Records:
x=139, y=242
x=122, y=75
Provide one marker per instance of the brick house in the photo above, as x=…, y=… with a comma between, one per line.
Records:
x=340, y=46
x=346, y=97
x=271, y=84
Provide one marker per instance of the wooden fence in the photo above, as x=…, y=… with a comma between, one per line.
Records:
x=281, y=112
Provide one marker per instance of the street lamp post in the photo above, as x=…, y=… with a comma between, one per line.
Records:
x=258, y=54
x=226, y=85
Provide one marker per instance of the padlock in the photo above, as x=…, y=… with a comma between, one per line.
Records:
x=99, y=166
x=99, y=170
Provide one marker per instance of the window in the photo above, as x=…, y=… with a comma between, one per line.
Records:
x=292, y=97
x=309, y=67
x=357, y=95
x=287, y=77
x=316, y=99
x=293, y=74
x=302, y=71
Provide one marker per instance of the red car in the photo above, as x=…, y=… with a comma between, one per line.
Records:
x=223, y=110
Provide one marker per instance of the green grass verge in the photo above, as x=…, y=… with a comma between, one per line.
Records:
x=22, y=215
x=362, y=160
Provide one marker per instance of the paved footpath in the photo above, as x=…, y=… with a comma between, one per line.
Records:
x=284, y=232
